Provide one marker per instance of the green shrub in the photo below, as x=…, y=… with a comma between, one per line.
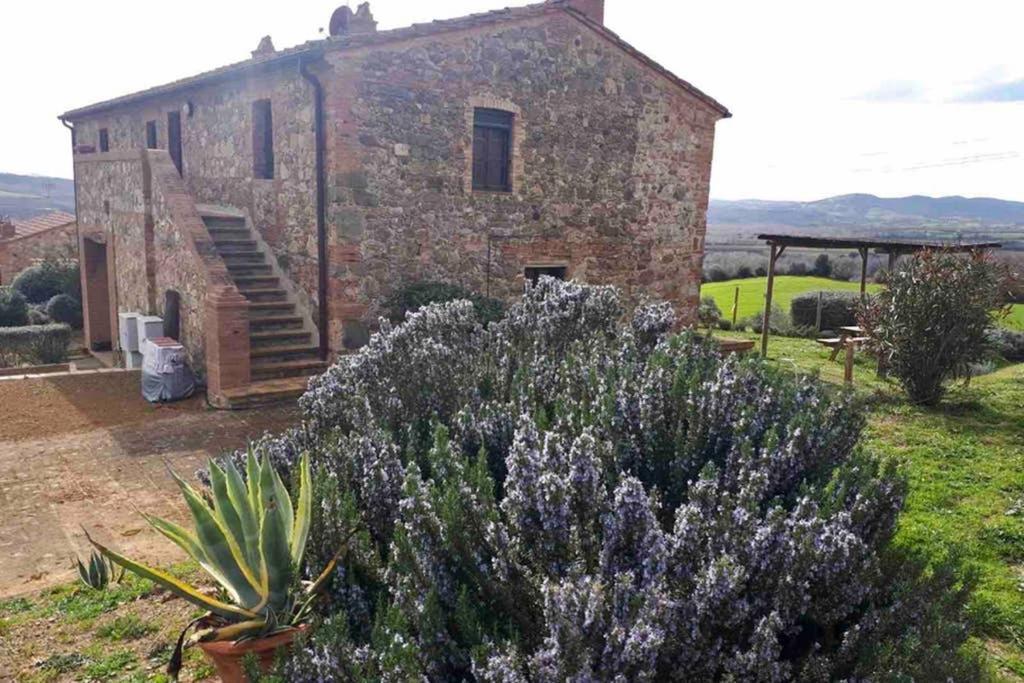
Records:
x=929, y=325
x=822, y=266
x=724, y=325
x=838, y=309
x=43, y=281
x=781, y=324
x=415, y=296
x=709, y=313
x=13, y=308
x=64, y=308
x=34, y=345
x=37, y=315
x=1007, y=343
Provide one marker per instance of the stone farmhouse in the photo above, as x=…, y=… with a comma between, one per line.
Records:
x=275, y=202
x=23, y=243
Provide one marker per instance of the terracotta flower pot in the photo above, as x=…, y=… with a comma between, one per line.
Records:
x=227, y=656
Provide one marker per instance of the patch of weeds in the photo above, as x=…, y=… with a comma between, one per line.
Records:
x=108, y=667
x=127, y=627
x=15, y=606
x=161, y=653
x=76, y=602
x=63, y=663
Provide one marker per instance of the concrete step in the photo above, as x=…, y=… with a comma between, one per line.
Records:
x=228, y=233
x=288, y=368
x=223, y=221
x=266, y=323
x=273, y=354
x=256, y=281
x=264, y=294
x=278, y=338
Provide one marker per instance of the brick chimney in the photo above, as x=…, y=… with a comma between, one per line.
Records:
x=345, y=22
x=592, y=9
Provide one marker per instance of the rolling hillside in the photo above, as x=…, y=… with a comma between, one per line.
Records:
x=946, y=218
x=27, y=196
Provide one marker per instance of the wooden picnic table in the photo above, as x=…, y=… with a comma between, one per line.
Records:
x=850, y=337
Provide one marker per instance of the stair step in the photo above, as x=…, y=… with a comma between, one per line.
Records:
x=223, y=221
x=270, y=354
x=290, y=368
x=256, y=281
x=231, y=245
x=272, y=322
x=278, y=338
x=271, y=308
x=228, y=233
x=264, y=293
x=244, y=269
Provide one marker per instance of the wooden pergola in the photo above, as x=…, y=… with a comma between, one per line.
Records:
x=893, y=247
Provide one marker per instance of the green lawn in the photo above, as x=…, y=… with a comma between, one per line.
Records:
x=786, y=287
x=965, y=464
x=1016, y=319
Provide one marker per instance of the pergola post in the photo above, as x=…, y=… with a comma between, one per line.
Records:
x=863, y=270
x=767, y=320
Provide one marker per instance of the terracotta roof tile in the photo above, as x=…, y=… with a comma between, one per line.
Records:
x=393, y=35
x=31, y=226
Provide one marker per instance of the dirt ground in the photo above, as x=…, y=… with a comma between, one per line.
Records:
x=87, y=450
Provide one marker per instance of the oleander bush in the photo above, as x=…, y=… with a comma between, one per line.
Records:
x=571, y=493
x=929, y=325
x=838, y=309
x=64, y=308
x=45, y=280
x=13, y=308
x=414, y=296
x=34, y=345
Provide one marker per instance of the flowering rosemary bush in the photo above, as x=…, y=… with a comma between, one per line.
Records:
x=561, y=496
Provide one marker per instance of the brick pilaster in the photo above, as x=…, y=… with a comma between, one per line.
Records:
x=227, y=342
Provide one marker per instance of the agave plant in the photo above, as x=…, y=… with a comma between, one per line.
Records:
x=99, y=572
x=250, y=539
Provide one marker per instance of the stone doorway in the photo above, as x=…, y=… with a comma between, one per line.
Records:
x=96, y=297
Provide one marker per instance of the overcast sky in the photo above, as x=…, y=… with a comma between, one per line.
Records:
x=879, y=96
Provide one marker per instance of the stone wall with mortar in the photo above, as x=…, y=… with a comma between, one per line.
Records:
x=611, y=167
x=216, y=123
x=17, y=254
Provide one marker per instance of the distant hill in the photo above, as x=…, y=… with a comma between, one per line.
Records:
x=950, y=218
x=25, y=196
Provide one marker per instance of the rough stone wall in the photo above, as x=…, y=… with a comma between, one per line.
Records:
x=135, y=203
x=111, y=198
x=218, y=157
x=17, y=254
x=611, y=168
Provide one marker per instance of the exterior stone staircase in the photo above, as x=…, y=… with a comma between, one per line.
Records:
x=284, y=351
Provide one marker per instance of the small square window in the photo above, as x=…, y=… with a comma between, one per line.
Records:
x=104, y=140
x=151, y=142
x=492, y=150
x=534, y=273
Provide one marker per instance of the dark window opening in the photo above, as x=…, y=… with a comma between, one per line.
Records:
x=492, y=150
x=104, y=140
x=534, y=273
x=262, y=140
x=151, y=135
x=174, y=138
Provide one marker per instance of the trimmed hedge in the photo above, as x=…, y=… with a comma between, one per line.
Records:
x=66, y=309
x=43, y=281
x=13, y=308
x=838, y=309
x=34, y=345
